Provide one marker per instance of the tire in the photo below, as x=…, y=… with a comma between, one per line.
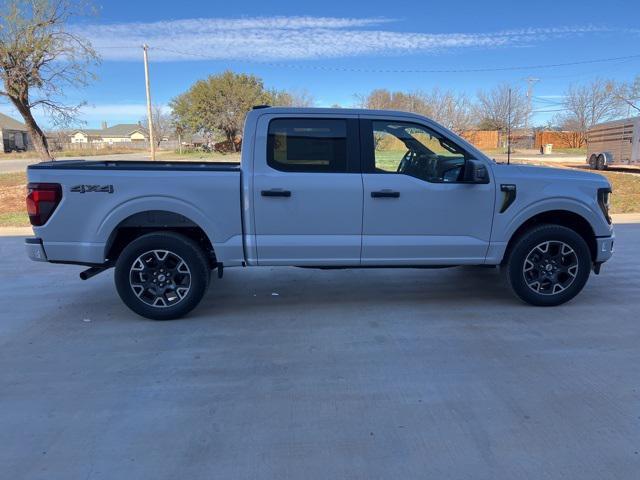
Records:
x=600, y=165
x=162, y=275
x=551, y=278
x=593, y=165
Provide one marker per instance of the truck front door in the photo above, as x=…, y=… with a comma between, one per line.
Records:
x=417, y=210
x=307, y=191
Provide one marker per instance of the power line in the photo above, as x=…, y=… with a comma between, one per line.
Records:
x=547, y=102
x=550, y=111
x=402, y=70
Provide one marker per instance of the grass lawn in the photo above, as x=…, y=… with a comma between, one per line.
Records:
x=13, y=191
x=625, y=198
x=626, y=191
x=571, y=151
x=197, y=156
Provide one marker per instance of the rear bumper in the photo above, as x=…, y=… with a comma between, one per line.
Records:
x=35, y=250
x=604, y=248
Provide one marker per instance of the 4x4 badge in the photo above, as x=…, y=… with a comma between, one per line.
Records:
x=92, y=188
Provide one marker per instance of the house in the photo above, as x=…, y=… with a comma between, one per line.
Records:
x=121, y=133
x=14, y=135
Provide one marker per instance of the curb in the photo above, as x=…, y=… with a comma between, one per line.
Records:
x=16, y=232
x=619, y=218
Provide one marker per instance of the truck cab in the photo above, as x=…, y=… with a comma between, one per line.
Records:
x=324, y=188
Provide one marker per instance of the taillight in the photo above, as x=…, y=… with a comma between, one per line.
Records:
x=42, y=200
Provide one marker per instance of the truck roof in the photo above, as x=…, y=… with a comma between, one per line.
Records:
x=334, y=111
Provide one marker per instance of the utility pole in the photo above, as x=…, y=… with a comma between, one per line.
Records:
x=531, y=81
x=152, y=144
x=509, y=129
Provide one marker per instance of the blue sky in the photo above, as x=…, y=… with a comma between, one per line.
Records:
x=320, y=46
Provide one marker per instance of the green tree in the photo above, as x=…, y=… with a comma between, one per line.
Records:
x=40, y=58
x=220, y=103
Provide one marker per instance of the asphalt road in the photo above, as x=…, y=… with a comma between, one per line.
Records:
x=355, y=374
x=21, y=164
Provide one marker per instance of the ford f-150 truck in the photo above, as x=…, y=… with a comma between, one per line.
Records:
x=325, y=188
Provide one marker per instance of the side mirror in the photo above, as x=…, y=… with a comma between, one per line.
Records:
x=475, y=171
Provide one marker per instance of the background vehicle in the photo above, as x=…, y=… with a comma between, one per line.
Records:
x=614, y=143
x=321, y=188
x=9, y=145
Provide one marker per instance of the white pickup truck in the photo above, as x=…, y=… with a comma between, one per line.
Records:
x=326, y=188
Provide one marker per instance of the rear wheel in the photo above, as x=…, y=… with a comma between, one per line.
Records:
x=548, y=265
x=162, y=275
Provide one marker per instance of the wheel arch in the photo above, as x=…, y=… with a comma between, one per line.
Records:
x=140, y=223
x=565, y=218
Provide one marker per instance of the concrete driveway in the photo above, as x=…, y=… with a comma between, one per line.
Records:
x=361, y=374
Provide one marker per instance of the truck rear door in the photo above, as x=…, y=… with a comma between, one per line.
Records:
x=307, y=190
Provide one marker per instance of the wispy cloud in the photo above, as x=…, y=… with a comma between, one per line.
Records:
x=296, y=38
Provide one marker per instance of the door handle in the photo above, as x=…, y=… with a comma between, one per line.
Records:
x=275, y=192
x=385, y=194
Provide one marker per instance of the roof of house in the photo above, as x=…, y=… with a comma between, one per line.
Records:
x=8, y=123
x=122, y=130
x=119, y=130
x=91, y=132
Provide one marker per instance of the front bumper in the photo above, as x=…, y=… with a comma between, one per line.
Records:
x=35, y=250
x=604, y=248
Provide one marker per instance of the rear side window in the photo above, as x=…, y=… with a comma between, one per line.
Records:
x=307, y=145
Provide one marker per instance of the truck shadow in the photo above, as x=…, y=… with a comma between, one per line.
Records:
x=281, y=288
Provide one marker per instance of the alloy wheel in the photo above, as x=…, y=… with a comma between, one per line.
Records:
x=160, y=278
x=550, y=267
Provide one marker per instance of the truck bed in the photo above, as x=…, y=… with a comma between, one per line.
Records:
x=98, y=196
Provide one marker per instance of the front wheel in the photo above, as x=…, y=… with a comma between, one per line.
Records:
x=162, y=275
x=548, y=265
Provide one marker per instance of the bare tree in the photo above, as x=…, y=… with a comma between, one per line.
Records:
x=587, y=105
x=162, y=122
x=293, y=98
x=629, y=94
x=382, y=99
x=453, y=110
x=40, y=58
x=494, y=112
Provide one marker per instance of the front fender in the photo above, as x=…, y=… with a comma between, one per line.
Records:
x=552, y=204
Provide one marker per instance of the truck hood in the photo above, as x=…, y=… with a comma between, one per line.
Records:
x=550, y=173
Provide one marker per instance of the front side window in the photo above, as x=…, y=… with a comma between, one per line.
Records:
x=307, y=145
x=414, y=150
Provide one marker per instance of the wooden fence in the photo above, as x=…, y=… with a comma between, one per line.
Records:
x=562, y=139
x=483, y=139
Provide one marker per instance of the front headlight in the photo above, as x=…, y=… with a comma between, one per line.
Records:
x=604, y=195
